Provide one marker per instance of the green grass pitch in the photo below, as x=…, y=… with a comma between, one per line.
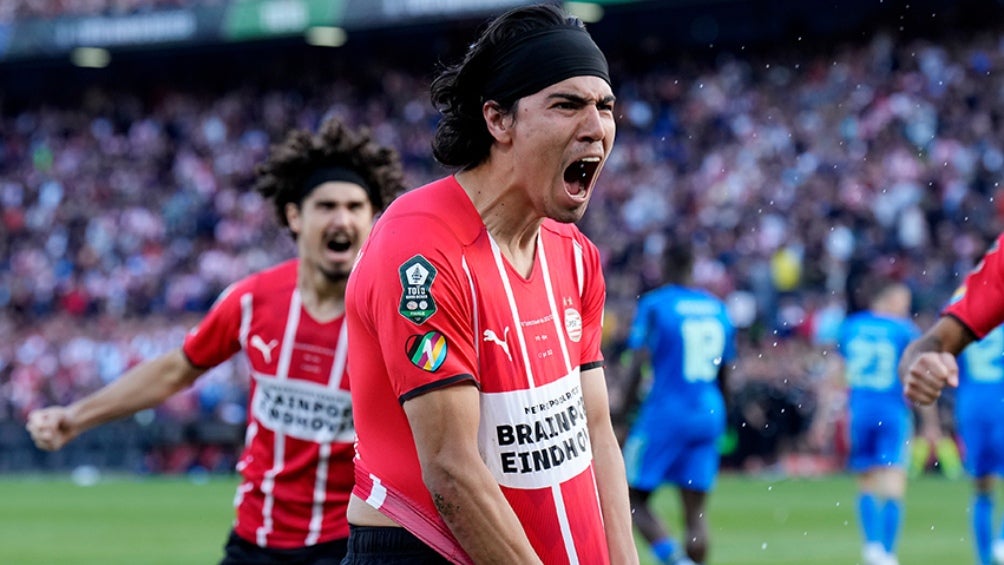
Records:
x=753, y=520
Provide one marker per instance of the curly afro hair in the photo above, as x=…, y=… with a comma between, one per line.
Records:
x=290, y=163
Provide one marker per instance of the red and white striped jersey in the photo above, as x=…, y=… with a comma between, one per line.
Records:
x=297, y=460
x=431, y=303
x=979, y=302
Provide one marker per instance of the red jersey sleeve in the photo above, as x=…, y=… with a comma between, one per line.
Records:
x=594, y=293
x=416, y=304
x=979, y=302
x=217, y=337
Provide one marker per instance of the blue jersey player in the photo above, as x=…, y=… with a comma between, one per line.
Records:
x=871, y=343
x=980, y=420
x=689, y=341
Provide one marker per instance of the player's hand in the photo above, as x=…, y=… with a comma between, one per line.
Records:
x=929, y=373
x=50, y=428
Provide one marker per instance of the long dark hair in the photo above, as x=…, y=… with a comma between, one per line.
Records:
x=462, y=139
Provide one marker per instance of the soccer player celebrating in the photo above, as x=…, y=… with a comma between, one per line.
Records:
x=871, y=343
x=289, y=321
x=475, y=318
x=689, y=340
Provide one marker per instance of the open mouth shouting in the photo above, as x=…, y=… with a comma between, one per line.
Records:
x=338, y=243
x=579, y=177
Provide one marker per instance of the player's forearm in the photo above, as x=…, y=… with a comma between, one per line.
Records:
x=144, y=386
x=472, y=505
x=611, y=481
x=929, y=342
x=947, y=335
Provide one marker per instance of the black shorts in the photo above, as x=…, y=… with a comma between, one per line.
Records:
x=370, y=545
x=240, y=551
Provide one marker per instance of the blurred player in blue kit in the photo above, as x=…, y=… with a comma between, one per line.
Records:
x=979, y=409
x=871, y=343
x=969, y=327
x=687, y=337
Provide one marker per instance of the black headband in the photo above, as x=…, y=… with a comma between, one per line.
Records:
x=542, y=58
x=339, y=174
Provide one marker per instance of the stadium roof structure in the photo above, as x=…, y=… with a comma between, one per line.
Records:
x=227, y=21
x=677, y=22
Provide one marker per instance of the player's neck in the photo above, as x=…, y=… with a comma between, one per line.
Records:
x=505, y=213
x=322, y=298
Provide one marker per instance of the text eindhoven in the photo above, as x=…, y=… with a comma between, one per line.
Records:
x=545, y=431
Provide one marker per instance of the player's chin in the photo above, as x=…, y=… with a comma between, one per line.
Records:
x=340, y=259
x=337, y=272
x=570, y=212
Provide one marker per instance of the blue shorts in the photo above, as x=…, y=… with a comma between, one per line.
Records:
x=239, y=551
x=654, y=457
x=878, y=438
x=370, y=545
x=982, y=442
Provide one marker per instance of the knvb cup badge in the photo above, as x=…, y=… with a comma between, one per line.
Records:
x=417, y=275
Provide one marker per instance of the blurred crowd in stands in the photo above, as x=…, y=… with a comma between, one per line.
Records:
x=794, y=173
x=18, y=10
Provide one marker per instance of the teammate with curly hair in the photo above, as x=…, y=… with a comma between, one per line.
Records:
x=296, y=467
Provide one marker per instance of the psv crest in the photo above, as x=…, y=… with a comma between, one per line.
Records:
x=417, y=275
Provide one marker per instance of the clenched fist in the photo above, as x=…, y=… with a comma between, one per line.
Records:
x=928, y=374
x=51, y=428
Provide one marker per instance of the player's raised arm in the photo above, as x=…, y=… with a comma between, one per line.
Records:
x=144, y=386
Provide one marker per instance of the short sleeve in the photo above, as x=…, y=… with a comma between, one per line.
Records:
x=594, y=293
x=414, y=303
x=217, y=337
x=979, y=302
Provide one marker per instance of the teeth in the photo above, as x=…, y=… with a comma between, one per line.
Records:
x=584, y=163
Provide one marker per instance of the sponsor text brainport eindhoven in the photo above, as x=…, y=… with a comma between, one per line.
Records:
x=556, y=434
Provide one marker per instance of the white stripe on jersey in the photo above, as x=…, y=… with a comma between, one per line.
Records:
x=566, y=528
x=242, y=489
x=279, y=447
x=289, y=336
x=580, y=267
x=557, y=317
x=475, y=323
x=249, y=434
x=341, y=354
x=268, y=488
x=500, y=265
x=378, y=493
x=320, y=487
x=247, y=307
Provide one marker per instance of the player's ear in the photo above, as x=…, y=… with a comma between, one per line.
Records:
x=293, y=217
x=498, y=121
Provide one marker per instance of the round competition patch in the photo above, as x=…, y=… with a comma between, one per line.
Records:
x=573, y=324
x=428, y=351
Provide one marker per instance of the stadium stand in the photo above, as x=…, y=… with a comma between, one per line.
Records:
x=795, y=165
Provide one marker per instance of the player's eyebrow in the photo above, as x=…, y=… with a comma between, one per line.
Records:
x=582, y=100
